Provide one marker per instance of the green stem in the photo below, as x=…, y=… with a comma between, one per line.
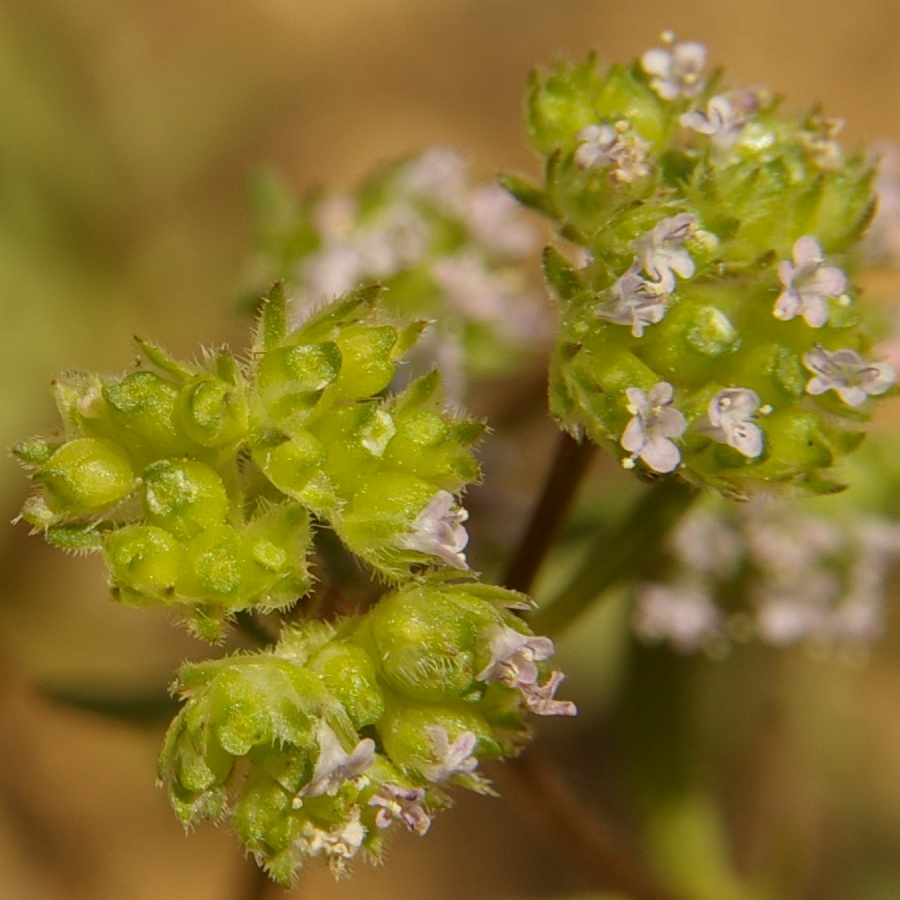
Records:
x=634, y=547
x=570, y=463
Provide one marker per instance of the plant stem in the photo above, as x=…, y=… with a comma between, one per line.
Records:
x=570, y=463
x=634, y=547
x=589, y=840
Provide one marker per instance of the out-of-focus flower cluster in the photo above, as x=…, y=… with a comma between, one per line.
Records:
x=447, y=249
x=783, y=574
x=708, y=321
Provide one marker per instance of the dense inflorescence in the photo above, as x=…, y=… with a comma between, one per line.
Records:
x=707, y=320
x=204, y=487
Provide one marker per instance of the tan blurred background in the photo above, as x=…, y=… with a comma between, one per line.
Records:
x=128, y=131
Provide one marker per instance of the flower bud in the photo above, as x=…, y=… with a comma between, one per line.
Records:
x=144, y=562
x=184, y=496
x=424, y=641
x=86, y=476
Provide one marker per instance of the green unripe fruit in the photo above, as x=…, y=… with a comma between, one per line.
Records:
x=349, y=673
x=407, y=731
x=213, y=412
x=212, y=565
x=291, y=380
x=294, y=465
x=142, y=408
x=184, y=496
x=366, y=367
x=424, y=641
x=86, y=476
x=144, y=560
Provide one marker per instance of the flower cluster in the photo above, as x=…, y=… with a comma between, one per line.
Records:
x=318, y=747
x=206, y=486
x=447, y=249
x=197, y=482
x=702, y=274
x=781, y=574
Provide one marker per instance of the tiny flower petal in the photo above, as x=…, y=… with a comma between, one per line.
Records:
x=513, y=656
x=615, y=148
x=453, y=759
x=438, y=531
x=807, y=283
x=660, y=252
x=677, y=70
x=729, y=413
x=648, y=435
x=635, y=301
x=334, y=766
x=404, y=804
x=541, y=700
x=848, y=374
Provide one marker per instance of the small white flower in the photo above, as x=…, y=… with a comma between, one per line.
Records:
x=334, y=766
x=541, y=698
x=513, y=662
x=513, y=656
x=453, y=759
x=660, y=251
x=336, y=845
x=676, y=68
x=683, y=615
x=848, y=374
x=635, y=301
x=613, y=147
x=438, y=531
x=730, y=415
x=807, y=283
x=648, y=435
x=404, y=804
x=721, y=122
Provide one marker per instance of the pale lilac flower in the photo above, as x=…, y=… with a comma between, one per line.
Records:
x=706, y=543
x=807, y=283
x=721, y=122
x=613, y=147
x=496, y=220
x=730, y=414
x=655, y=422
x=453, y=759
x=438, y=530
x=684, y=615
x=483, y=295
x=660, y=251
x=439, y=174
x=513, y=662
x=635, y=301
x=404, y=804
x=332, y=271
x=513, y=657
x=334, y=765
x=848, y=374
x=541, y=698
x=675, y=68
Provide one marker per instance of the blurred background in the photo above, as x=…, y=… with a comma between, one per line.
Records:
x=128, y=135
